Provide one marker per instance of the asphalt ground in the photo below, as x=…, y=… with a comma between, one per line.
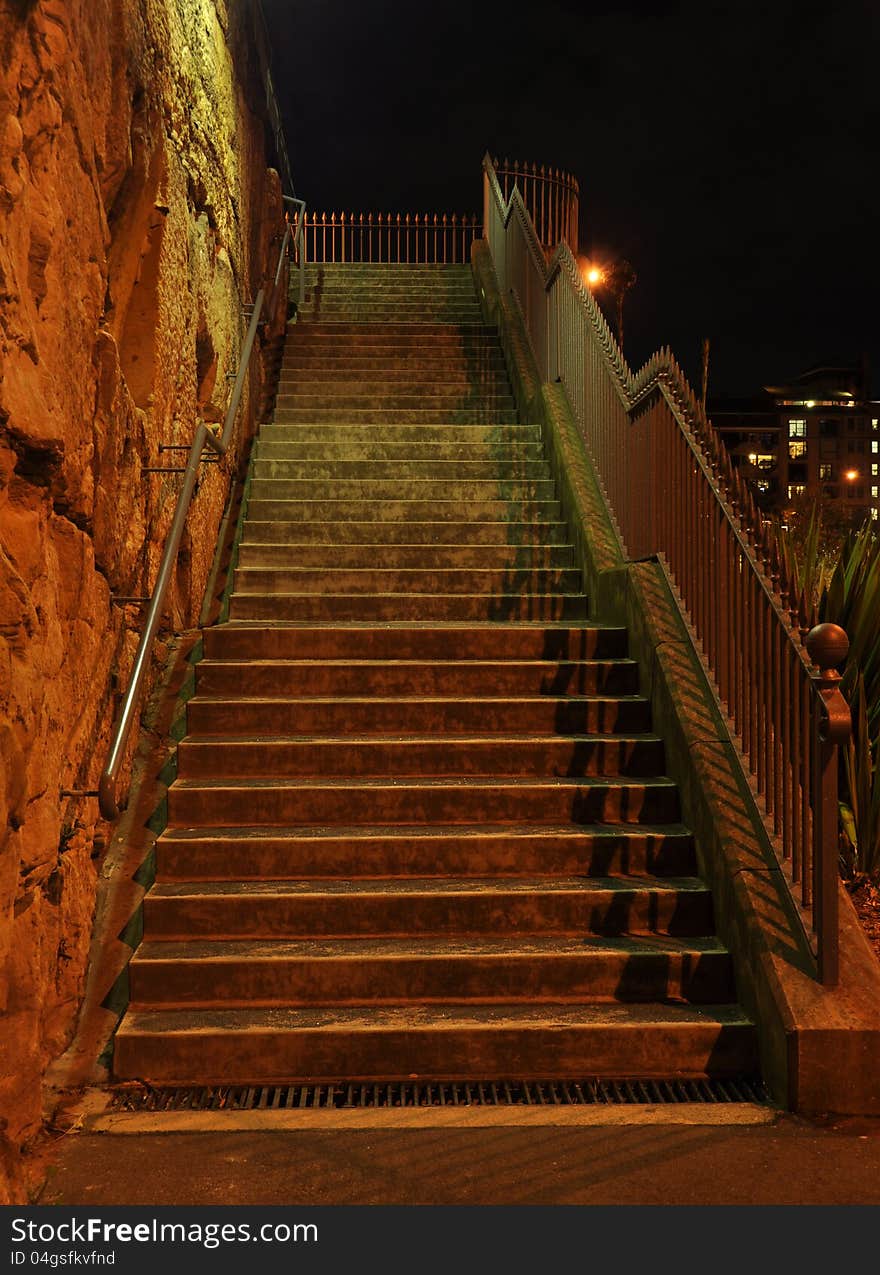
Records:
x=774, y=1159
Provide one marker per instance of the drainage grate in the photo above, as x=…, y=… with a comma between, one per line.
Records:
x=463, y=1093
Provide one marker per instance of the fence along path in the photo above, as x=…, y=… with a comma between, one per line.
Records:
x=673, y=491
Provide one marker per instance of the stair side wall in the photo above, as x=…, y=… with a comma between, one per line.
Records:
x=137, y=213
x=820, y=1048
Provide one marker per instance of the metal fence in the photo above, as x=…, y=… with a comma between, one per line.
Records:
x=390, y=238
x=673, y=492
x=551, y=198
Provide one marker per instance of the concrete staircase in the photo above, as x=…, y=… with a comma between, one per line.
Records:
x=421, y=825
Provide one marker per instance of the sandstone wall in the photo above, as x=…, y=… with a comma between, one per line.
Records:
x=136, y=213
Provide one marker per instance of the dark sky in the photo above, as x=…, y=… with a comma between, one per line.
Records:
x=728, y=150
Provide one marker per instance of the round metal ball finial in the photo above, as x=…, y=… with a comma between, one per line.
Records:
x=827, y=645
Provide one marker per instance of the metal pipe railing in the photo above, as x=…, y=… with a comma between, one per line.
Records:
x=673, y=492
x=218, y=443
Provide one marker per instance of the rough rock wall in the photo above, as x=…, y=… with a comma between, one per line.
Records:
x=136, y=214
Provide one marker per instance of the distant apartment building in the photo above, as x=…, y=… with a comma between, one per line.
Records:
x=816, y=438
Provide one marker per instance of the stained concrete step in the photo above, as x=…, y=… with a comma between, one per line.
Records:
x=428, y=452
x=394, y=398
x=265, y=1046
x=225, y=803
x=505, y=512
x=394, y=362
x=418, y=715
x=408, y=715
x=341, y=378
x=399, y=435
x=450, y=335
x=438, y=906
x=482, y=414
x=444, y=475
x=497, y=644
x=406, y=607
x=504, y=539
x=363, y=678
x=507, y=537
x=238, y=756
x=426, y=557
x=486, y=849
x=406, y=580
x=404, y=487
x=455, y=312
x=261, y=972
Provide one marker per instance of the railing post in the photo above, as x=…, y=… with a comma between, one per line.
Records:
x=827, y=646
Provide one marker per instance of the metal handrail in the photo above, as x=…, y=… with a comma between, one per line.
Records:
x=219, y=443
x=673, y=492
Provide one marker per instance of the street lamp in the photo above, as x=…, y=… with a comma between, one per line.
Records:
x=616, y=278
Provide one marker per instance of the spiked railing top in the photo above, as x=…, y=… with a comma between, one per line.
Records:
x=661, y=373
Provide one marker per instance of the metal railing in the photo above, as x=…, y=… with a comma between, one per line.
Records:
x=205, y=445
x=673, y=492
x=550, y=196
x=391, y=238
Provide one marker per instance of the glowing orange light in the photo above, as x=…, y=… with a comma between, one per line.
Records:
x=594, y=276
x=851, y=475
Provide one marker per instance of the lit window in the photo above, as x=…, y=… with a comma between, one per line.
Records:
x=875, y=513
x=874, y=492
x=763, y=485
x=874, y=447
x=797, y=449
x=797, y=429
x=796, y=489
x=873, y=422
x=874, y=469
x=825, y=471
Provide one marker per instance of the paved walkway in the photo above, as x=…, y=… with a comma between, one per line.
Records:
x=785, y=1161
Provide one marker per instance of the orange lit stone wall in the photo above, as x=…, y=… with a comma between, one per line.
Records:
x=136, y=210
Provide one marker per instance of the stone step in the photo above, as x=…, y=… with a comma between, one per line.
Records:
x=392, y=363
x=346, y=557
x=420, y=908
x=506, y=512
x=485, y=414
x=415, y=290
x=432, y=801
x=405, y=580
x=498, y=644
x=524, y=457
x=453, y=311
x=509, y=537
x=462, y=336
x=238, y=756
x=442, y=473
x=371, y=971
x=266, y=1046
x=496, y=850
x=406, y=607
x=412, y=714
x=445, y=380
x=418, y=486
x=394, y=399
x=498, y=437
x=365, y=678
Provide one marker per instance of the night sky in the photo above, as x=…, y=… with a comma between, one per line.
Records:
x=728, y=150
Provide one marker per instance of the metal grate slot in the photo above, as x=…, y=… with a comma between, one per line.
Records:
x=414, y=1094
